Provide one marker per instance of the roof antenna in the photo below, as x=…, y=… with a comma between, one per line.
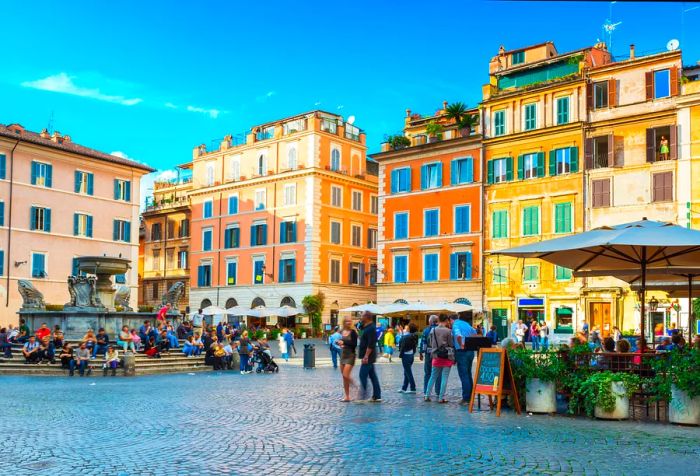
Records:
x=609, y=28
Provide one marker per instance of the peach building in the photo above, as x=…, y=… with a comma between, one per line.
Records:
x=60, y=200
x=287, y=211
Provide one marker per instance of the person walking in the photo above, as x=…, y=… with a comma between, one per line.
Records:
x=368, y=352
x=284, y=350
x=544, y=336
x=289, y=337
x=443, y=352
x=244, y=349
x=425, y=350
x=520, y=332
x=535, y=335
x=348, y=345
x=333, y=346
x=461, y=331
x=389, y=342
x=492, y=335
x=407, y=353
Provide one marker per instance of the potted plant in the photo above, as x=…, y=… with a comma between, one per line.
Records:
x=398, y=141
x=677, y=379
x=539, y=371
x=457, y=111
x=606, y=394
x=434, y=131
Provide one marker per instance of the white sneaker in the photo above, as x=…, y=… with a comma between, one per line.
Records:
x=410, y=391
x=402, y=391
x=242, y=372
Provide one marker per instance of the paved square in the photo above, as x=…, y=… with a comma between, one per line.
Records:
x=293, y=423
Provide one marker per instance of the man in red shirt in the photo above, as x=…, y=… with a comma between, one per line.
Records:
x=162, y=312
x=42, y=332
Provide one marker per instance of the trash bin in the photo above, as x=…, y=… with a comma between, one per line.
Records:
x=309, y=356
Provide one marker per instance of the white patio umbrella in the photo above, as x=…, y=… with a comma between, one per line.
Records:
x=213, y=311
x=369, y=307
x=286, y=311
x=238, y=311
x=261, y=311
x=627, y=249
x=426, y=308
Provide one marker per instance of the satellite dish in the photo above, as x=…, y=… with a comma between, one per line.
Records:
x=672, y=45
x=351, y=119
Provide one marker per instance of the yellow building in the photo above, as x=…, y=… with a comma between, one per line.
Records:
x=534, y=111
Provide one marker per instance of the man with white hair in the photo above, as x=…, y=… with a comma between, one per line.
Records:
x=425, y=349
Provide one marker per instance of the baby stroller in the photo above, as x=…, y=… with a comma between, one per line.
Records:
x=264, y=361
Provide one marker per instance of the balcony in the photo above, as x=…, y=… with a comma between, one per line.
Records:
x=152, y=205
x=265, y=134
x=352, y=132
x=292, y=127
x=329, y=125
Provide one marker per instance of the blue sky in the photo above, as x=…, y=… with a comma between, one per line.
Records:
x=153, y=79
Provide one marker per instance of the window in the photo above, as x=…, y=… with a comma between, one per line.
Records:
x=82, y=225
x=461, y=265
x=530, y=111
x=335, y=232
x=431, y=176
x=602, y=152
x=352, y=132
x=563, y=161
x=400, y=269
x=563, y=110
x=288, y=232
x=662, y=143
x=232, y=204
x=562, y=217
x=401, y=180
x=499, y=218
x=231, y=272
x=662, y=187
x=357, y=200
x=531, y=221
x=356, y=274
x=155, y=292
x=356, y=235
x=662, y=84
x=3, y=167
x=232, y=237
x=292, y=156
x=372, y=274
x=462, y=171
x=260, y=199
x=430, y=267
x=374, y=204
x=462, y=219
x=335, y=271
x=182, y=259
x=499, y=122
x=171, y=229
x=531, y=273
x=564, y=317
x=400, y=226
x=500, y=170
x=41, y=174
x=329, y=125
x=372, y=238
x=39, y=265
x=40, y=219
x=262, y=164
x=601, y=193
x=290, y=194
x=517, y=58
x=207, y=234
x=209, y=181
x=431, y=222
x=500, y=275
x=258, y=271
x=600, y=94
x=122, y=190
x=208, y=211
x=84, y=182
x=335, y=160
x=562, y=274
x=531, y=165
x=336, y=196
x=287, y=270
x=204, y=275
x=266, y=133
x=184, y=228
x=294, y=126
x=258, y=234
x=235, y=168
x=155, y=263
x=2, y=213
x=170, y=258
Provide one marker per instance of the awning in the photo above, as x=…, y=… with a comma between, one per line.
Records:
x=564, y=311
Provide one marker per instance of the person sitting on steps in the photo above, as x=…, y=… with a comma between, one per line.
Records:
x=111, y=361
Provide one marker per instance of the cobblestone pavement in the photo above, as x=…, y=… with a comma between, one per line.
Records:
x=293, y=423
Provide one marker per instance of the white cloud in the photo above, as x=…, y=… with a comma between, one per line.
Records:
x=167, y=175
x=63, y=83
x=213, y=113
x=266, y=96
x=170, y=105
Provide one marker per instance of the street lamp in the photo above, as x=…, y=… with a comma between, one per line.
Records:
x=653, y=304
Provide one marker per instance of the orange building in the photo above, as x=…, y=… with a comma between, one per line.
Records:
x=430, y=187
x=288, y=211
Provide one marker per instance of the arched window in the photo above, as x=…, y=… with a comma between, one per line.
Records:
x=292, y=157
x=262, y=165
x=463, y=300
x=205, y=303
x=288, y=301
x=335, y=160
x=257, y=302
x=230, y=302
x=235, y=169
x=400, y=301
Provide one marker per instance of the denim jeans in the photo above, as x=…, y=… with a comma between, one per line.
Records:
x=99, y=349
x=244, y=362
x=82, y=365
x=7, y=350
x=408, y=380
x=464, y=360
x=427, y=372
x=367, y=370
x=544, y=342
x=127, y=345
x=189, y=349
x=334, y=357
x=442, y=374
x=535, y=342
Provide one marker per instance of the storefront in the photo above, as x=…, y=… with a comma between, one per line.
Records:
x=531, y=308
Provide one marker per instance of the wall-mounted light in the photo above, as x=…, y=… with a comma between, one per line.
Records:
x=19, y=263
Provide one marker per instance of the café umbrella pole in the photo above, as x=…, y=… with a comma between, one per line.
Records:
x=644, y=297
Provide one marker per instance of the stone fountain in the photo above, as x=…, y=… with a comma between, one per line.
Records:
x=98, y=293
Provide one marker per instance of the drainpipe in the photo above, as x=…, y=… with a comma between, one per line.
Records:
x=9, y=225
x=274, y=231
x=218, y=253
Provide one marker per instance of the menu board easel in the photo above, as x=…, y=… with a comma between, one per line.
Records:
x=494, y=377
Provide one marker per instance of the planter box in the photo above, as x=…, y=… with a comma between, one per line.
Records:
x=540, y=397
x=622, y=404
x=683, y=409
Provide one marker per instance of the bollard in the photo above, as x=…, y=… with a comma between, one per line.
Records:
x=129, y=364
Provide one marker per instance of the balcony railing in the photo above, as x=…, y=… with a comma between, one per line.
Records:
x=165, y=203
x=265, y=134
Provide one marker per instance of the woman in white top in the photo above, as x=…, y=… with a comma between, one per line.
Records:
x=283, y=345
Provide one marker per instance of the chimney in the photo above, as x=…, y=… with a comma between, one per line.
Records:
x=408, y=113
x=444, y=105
x=56, y=137
x=631, y=52
x=66, y=138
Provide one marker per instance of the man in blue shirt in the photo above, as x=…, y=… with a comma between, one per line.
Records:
x=425, y=349
x=461, y=331
x=492, y=335
x=333, y=344
x=368, y=353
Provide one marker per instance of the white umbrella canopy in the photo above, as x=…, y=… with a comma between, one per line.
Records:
x=261, y=311
x=369, y=307
x=238, y=311
x=426, y=308
x=286, y=311
x=213, y=311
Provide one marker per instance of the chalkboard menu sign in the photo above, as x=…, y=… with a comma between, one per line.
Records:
x=494, y=378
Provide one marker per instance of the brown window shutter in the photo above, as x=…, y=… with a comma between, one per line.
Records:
x=595, y=186
x=656, y=188
x=588, y=153
x=668, y=186
x=674, y=80
x=651, y=145
x=649, y=80
x=673, y=143
x=589, y=96
x=606, y=192
x=612, y=93
x=611, y=150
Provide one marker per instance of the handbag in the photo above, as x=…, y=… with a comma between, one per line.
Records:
x=440, y=352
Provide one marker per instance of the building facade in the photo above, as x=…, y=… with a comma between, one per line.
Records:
x=287, y=212
x=430, y=201
x=166, y=240
x=60, y=200
x=534, y=116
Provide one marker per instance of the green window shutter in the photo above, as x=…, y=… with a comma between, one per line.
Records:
x=2, y=213
x=32, y=218
x=35, y=170
x=2, y=262
x=76, y=224
x=116, y=189
x=552, y=162
x=90, y=184
x=47, y=220
x=128, y=190
x=489, y=178
x=521, y=171
x=540, y=164
x=3, y=166
x=567, y=217
x=115, y=230
x=89, y=226
x=78, y=176
x=509, y=169
x=573, y=151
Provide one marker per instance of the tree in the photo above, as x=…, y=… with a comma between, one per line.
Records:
x=313, y=306
x=459, y=113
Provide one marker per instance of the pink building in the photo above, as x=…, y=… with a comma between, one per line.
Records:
x=60, y=200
